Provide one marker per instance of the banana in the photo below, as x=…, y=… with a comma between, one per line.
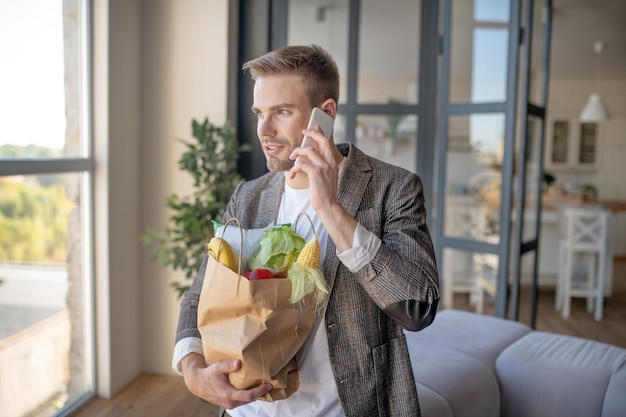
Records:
x=223, y=254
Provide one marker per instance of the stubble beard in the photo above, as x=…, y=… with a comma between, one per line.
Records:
x=278, y=165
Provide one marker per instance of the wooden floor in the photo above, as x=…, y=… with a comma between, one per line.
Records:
x=167, y=396
x=151, y=396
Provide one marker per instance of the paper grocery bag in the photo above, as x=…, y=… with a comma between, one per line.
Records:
x=255, y=322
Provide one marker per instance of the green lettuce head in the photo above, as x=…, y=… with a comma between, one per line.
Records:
x=278, y=249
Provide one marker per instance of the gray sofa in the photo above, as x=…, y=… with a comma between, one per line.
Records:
x=471, y=365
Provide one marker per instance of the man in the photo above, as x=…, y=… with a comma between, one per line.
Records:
x=378, y=255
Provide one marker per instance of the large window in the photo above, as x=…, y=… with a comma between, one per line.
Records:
x=46, y=353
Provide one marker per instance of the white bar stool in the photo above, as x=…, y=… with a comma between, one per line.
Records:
x=583, y=237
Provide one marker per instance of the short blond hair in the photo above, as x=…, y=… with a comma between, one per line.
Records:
x=312, y=63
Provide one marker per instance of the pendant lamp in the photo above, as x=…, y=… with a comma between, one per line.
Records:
x=595, y=110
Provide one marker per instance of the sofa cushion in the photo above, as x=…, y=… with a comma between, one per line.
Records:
x=615, y=399
x=479, y=336
x=468, y=385
x=455, y=357
x=546, y=374
x=432, y=404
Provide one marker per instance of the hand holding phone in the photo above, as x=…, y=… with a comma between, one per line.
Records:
x=325, y=122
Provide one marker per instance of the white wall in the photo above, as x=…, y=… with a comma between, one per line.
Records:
x=184, y=76
x=157, y=65
x=567, y=98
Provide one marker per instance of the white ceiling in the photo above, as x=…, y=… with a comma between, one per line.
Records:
x=576, y=26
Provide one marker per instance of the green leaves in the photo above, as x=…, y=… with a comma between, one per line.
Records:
x=211, y=160
x=278, y=249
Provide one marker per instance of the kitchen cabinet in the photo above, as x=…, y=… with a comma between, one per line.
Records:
x=572, y=145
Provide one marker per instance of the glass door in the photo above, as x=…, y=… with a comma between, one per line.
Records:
x=488, y=162
x=475, y=149
x=530, y=145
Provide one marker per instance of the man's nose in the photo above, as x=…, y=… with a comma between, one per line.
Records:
x=265, y=127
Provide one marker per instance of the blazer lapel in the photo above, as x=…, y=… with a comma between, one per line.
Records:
x=351, y=188
x=269, y=202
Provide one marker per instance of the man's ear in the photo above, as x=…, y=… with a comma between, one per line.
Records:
x=330, y=107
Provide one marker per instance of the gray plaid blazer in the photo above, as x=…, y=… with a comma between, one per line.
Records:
x=368, y=350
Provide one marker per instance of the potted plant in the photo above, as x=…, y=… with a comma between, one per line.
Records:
x=211, y=160
x=590, y=192
x=547, y=180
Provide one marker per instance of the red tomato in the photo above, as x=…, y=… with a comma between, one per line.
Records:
x=260, y=273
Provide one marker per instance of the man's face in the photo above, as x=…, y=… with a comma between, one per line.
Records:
x=283, y=110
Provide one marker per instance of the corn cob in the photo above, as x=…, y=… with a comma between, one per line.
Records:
x=305, y=275
x=310, y=253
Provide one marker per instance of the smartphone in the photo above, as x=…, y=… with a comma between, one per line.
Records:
x=325, y=122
